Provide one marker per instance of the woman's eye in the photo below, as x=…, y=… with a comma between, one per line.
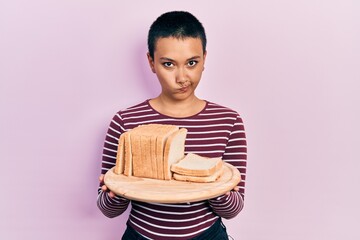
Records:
x=167, y=64
x=192, y=63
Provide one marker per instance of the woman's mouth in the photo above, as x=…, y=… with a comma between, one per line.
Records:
x=184, y=89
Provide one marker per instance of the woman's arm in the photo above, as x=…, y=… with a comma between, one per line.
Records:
x=110, y=204
x=229, y=205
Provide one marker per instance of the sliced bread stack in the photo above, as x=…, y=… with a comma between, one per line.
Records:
x=195, y=168
x=149, y=151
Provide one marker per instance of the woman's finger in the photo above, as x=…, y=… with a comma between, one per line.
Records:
x=101, y=178
x=111, y=194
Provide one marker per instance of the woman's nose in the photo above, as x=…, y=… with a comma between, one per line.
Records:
x=181, y=76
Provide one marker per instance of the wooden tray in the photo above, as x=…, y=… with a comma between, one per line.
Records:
x=173, y=191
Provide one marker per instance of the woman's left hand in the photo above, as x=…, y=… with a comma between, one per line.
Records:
x=236, y=188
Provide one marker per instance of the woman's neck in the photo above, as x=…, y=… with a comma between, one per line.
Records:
x=177, y=108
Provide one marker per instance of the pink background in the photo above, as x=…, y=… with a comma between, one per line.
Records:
x=291, y=68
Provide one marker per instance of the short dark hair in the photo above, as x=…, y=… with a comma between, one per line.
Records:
x=177, y=24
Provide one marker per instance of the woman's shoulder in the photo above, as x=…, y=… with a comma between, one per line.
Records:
x=215, y=107
x=133, y=109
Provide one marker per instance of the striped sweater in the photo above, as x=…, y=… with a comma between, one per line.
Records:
x=216, y=131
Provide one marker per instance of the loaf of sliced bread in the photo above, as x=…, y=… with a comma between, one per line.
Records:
x=211, y=178
x=149, y=150
x=196, y=165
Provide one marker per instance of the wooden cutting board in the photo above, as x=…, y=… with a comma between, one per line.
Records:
x=163, y=191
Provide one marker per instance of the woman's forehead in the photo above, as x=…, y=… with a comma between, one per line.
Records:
x=178, y=47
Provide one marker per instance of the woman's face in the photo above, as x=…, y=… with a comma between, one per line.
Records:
x=178, y=64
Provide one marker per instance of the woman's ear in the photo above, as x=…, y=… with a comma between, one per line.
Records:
x=204, y=57
x=151, y=62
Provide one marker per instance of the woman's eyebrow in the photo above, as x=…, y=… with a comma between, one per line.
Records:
x=167, y=59
x=172, y=60
x=194, y=57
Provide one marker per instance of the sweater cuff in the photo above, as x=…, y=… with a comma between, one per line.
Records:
x=227, y=206
x=117, y=200
x=219, y=199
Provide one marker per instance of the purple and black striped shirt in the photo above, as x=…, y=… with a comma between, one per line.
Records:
x=216, y=131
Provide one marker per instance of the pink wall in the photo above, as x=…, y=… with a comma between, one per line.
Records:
x=291, y=68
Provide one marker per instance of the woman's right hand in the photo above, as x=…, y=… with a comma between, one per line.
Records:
x=104, y=187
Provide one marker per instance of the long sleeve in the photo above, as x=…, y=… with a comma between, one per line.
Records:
x=111, y=207
x=235, y=154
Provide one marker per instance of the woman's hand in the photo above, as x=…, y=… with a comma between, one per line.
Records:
x=104, y=187
x=236, y=188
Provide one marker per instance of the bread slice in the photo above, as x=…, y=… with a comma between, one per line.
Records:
x=128, y=155
x=211, y=178
x=196, y=165
x=120, y=156
x=154, y=167
x=164, y=132
x=136, y=152
x=144, y=168
x=174, y=150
